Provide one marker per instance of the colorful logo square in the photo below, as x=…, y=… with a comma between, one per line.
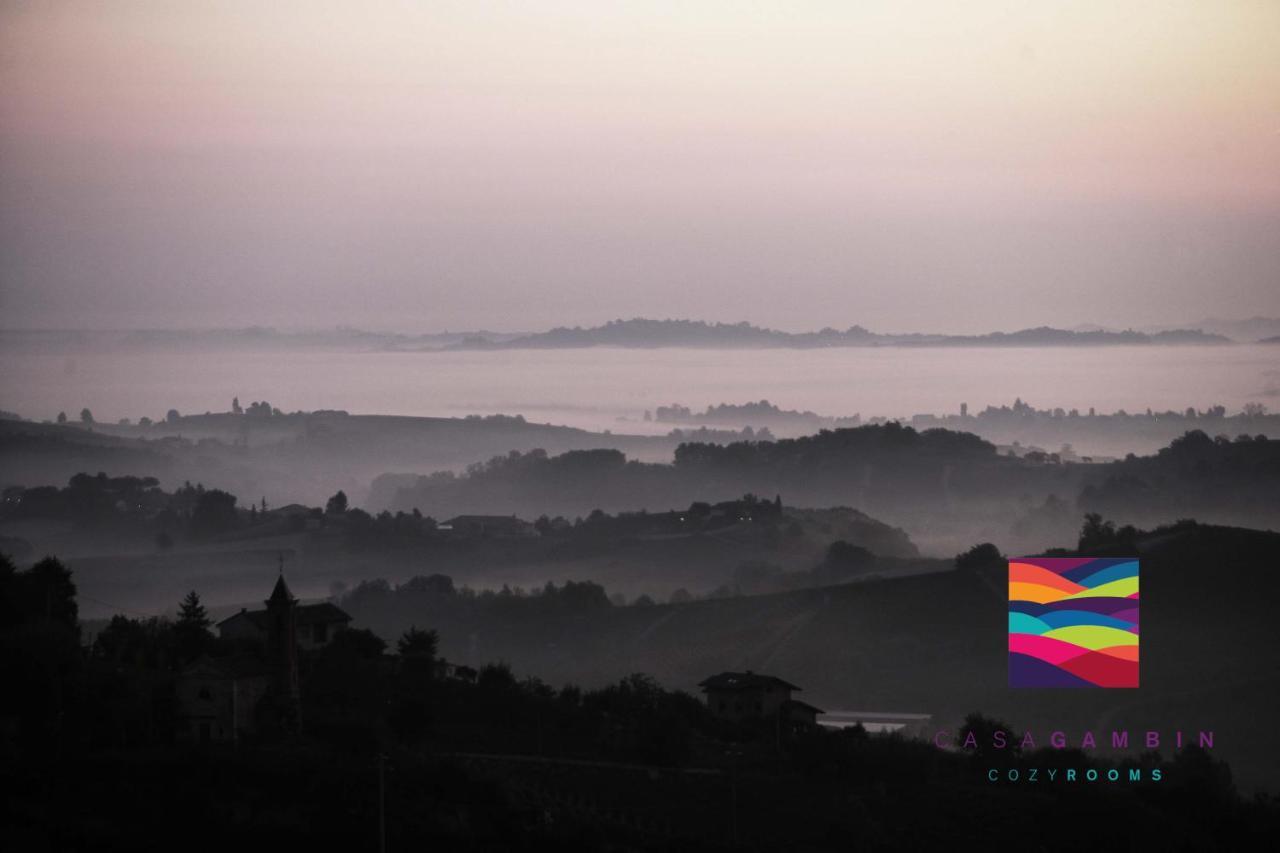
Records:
x=1073, y=622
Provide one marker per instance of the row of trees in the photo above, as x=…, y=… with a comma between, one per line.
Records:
x=128, y=505
x=256, y=409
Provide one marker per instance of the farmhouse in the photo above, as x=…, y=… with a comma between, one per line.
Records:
x=316, y=624
x=746, y=696
x=220, y=699
x=489, y=527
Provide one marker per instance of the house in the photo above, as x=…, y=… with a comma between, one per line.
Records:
x=221, y=699
x=745, y=696
x=218, y=698
x=489, y=526
x=316, y=624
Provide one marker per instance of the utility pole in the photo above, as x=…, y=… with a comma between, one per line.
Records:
x=382, y=803
x=733, y=805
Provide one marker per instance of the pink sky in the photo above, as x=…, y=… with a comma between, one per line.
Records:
x=940, y=166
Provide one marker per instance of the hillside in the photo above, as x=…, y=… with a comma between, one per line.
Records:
x=644, y=333
x=301, y=456
x=931, y=644
x=946, y=489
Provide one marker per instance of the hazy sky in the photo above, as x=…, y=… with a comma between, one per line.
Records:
x=904, y=165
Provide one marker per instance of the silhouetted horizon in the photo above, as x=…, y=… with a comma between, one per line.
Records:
x=1243, y=329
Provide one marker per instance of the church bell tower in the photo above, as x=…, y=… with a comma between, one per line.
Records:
x=282, y=651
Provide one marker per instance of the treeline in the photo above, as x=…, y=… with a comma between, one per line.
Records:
x=1076, y=435
x=119, y=691
x=761, y=414
x=645, y=333
x=886, y=464
x=130, y=505
x=931, y=480
x=1210, y=478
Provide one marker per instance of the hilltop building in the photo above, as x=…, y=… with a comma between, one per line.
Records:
x=489, y=527
x=746, y=696
x=315, y=624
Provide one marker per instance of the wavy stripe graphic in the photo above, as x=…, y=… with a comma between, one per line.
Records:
x=1073, y=622
x=1034, y=592
x=1105, y=606
x=1128, y=569
x=1026, y=573
x=1122, y=588
x=1063, y=618
x=1093, y=637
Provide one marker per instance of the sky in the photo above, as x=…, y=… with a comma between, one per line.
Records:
x=931, y=166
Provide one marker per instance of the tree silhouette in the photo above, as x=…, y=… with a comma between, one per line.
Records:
x=418, y=643
x=50, y=594
x=336, y=504
x=86, y=416
x=981, y=556
x=192, y=628
x=191, y=613
x=214, y=513
x=983, y=742
x=356, y=642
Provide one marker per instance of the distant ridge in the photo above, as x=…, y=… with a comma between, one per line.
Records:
x=641, y=333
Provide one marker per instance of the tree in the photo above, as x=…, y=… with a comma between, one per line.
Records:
x=412, y=709
x=192, y=628
x=235, y=406
x=86, y=416
x=418, y=643
x=357, y=642
x=1097, y=532
x=172, y=416
x=980, y=734
x=496, y=676
x=981, y=556
x=846, y=557
x=137, y=641
x=62, y=417
x=336, y=504
x=191, y=613
x=50, y=593
x=214, y=513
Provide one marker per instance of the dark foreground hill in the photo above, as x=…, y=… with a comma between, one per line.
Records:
x=935, y=644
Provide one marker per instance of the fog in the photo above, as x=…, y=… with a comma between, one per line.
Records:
x=610, y=389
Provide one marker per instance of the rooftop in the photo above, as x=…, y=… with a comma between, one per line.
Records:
x=744, y=681
x=304, y=614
